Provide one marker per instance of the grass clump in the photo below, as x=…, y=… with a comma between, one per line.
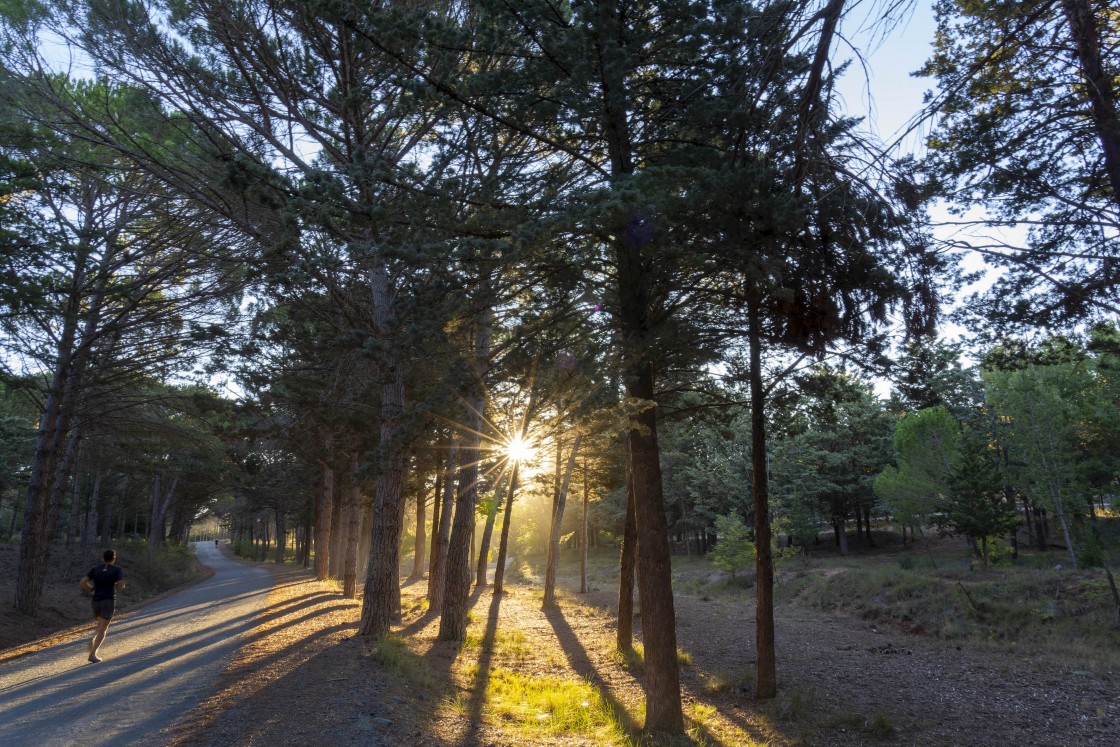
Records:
x=511, y=645
x=552, y=706
x=632, y=659
x=728, y=682
x=399, y=660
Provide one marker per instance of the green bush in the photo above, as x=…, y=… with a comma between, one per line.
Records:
x=734, y=551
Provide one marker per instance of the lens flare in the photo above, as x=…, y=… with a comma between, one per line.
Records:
x=519, y=450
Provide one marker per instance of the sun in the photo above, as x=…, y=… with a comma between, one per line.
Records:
x=519, y=450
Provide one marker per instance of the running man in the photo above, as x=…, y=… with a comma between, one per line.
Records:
x=103, y=580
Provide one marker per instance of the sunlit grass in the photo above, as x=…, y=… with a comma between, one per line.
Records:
x=398, y=659
x=634, y=658
x=550, y=706
x=722, y=682
x=507, y=644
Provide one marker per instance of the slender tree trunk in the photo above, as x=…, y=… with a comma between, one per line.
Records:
x=436, y=518
x=353, y=530
x=75, y=500
x=503, y=541
x=89, y=531
x=338, y=524
x=1086, y=34
x=421, y=548
x=767, y=683
x=487, y=536
x=281, y=535
x=323, y=510
x=557, y=522
x=626, y=566
x=511, y=492
x=437, y=571
x=161, y=501
x=583, y=533
x=457, y=584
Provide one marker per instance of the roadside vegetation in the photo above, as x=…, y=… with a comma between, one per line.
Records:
x=66, y=606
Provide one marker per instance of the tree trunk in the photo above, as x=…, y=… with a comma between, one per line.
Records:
x=436, y=572
x=636, y=308
x=383, y=571
x=89, y=531
x=487, y=536
x=353, y=530
x=338, y=525
x=583, y=534
x=161, y=501
x=323, y=511
x=436, y=518
x=503, y=541
x=421, y=546
x=75, y=501
x=767, y=684
x=557, y=522
x=457, y=584
x=1086, y=34
x=281, y=535
x=626, y=567
x=35, y=540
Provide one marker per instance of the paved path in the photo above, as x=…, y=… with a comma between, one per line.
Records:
x=159, y=662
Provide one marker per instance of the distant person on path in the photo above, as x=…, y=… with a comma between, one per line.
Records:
x=103, y=580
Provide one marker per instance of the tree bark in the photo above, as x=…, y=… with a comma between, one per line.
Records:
x=353, y=531
x=557, y=521
x=626, y=567
x=281, y=535
x=503, y=541
x=35, y=540
x=161, y=500
x=583, y=533
x=484, y=543
x=767, y=682
x=457, y=584
x=635, y=318
x=383, y=571
x=338, y=523
x=436, y=572
x=1086, y=34
x=89, y=531
x=323, y=510
x=421, y=545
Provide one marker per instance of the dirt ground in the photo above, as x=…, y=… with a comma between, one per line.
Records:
x=312, y=681
x=306, y=677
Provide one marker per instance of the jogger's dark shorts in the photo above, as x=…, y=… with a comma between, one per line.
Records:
x=103, y=608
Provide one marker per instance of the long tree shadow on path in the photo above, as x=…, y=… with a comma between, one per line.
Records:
x=477, y=699
x=585, y=668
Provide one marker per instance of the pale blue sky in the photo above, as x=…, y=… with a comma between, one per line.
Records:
x=885, y=92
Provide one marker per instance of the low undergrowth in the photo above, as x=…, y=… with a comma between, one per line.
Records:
x=1070, y=613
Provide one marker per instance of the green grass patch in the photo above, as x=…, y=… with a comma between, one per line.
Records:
x=400, y=661
x=512, y=645
x=741, y=682
x=533, y=706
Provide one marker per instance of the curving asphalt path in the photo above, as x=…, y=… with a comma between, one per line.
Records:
x=159, y=662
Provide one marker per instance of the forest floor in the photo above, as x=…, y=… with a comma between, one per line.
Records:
x=528, y=677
